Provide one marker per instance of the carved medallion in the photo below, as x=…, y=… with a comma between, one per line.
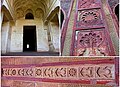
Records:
x=89, y=18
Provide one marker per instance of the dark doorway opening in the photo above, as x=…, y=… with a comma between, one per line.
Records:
x=29, y=38
x=117, y=11
x=62, y=17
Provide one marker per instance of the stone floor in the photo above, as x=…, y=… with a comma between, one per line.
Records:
x=31, y=54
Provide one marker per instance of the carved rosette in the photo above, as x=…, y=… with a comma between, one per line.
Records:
x=90, y=43
x=89, y=18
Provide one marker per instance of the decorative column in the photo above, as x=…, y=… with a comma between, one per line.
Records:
x=9, y=37
x=91, y=36
x=51, y=47
x=4, y=36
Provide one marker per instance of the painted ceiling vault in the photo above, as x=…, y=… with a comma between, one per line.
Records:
x=36, y=7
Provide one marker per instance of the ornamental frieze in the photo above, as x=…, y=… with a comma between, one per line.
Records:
x=74, y=72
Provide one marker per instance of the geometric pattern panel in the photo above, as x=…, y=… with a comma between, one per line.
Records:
x=91, y=43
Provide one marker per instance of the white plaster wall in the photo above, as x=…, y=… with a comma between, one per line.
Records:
x=9, y=39
x=42, y=38
x=55, y=36
x=1, y=20
x=17, y=35
x=4, y=36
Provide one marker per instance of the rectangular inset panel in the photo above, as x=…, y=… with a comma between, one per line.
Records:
x=89, y=18
x=91, y=43
x=87, y=4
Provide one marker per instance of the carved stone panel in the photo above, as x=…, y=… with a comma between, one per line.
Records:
x=32, y=73
x=91, y=43
x=71, y=72
x=85, y=4
x=89, y=18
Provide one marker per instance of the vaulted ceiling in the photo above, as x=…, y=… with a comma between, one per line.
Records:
x=21, y=7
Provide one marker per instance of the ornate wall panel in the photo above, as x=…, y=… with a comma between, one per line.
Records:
x=91, y=36
x=101, y=71
x=62, y=72
x=59, y=72
x=91, y=43
x=89, y=18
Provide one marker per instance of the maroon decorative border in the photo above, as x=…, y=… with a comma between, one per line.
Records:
x=98, y=61
x=114, y=18
x=53, y=80
x=65, y=26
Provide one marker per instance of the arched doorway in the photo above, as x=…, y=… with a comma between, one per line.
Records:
x=29, y=36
